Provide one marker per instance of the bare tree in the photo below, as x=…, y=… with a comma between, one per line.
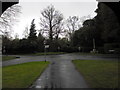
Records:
x=8, y=18
x=41, y=31
x=83, y=18
x=72, y=24
x=51, y=21
x=26, y=32
x=16, y=36
x=58, y=30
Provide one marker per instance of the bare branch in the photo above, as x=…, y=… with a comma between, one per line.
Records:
x=51, y=21
x=8, y=18
x=72, y=24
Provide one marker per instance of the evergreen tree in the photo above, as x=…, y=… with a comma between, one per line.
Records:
x=107, y=23
x=40, y=43
x=32, y=34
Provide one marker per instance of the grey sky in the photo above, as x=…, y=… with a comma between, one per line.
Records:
x=31, y=10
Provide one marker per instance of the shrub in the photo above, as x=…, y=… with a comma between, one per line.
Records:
x=69, y=49
x=86, y=49
x=100, y=50
x=112, y=46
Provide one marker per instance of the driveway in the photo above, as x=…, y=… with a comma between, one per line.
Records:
x=61, y=73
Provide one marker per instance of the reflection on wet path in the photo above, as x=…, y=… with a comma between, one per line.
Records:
x=60, y=74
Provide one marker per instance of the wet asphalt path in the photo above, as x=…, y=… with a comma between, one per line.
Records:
x=61, y=73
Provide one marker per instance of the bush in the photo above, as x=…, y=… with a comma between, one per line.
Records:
x=114, y=47
x=86, y=49
x=100, y=50
x=117, y=51
x=69, y=49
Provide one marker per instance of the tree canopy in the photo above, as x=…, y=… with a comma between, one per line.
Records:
x=101, y=32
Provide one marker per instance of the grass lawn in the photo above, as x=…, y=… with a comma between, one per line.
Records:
x=49, y=53
x=22, y=75
x=94, y=54
x=98, y=74
x=4, y=58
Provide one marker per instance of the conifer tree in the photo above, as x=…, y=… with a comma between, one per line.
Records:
x=32, y=34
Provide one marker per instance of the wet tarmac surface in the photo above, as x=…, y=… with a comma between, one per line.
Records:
x=61, y=73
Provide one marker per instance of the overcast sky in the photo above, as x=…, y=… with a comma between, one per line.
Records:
x=31, y=9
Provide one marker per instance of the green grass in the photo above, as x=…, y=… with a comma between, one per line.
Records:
x=0, y=77
x=47, y=53
x=5, y=58
x=83, y=53
x=22, y=75
x=98, y=74
x=50, y=53
x=96, y=54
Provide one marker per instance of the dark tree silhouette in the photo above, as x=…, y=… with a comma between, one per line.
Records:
x=58, y=30
x=51, y=19
x=107, y=23
x=32, y=34
x=26, y=32
x=72, y=24
x=40, y=42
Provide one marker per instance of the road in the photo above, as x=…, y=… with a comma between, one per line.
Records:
x=61, y=73
x=63, y=57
